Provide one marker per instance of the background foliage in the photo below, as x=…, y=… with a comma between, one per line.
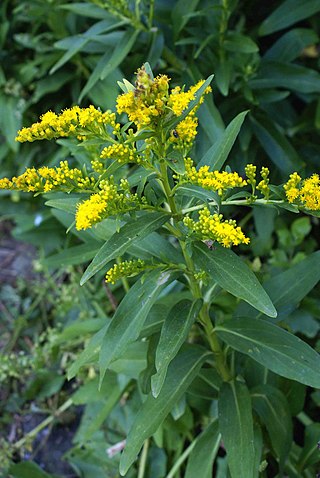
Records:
x=56, y=53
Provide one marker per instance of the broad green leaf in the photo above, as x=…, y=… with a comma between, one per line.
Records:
x=201, y=458
x=153, y=411
x=232, y=274
x=131, y=232
x=240, y=43
x=236, y=427
x=275, y=144
x=73, y=255
x=290, y=286
x=171, y=124
x=109, y=62
x=174, y=332
x=181, y=14
x=288, y=13
x=273, y=347
x=291, y=44
x=210, y=120
x=216, y=156
x=191, y=191
x=274, y=411
x=223, y=76
x=130, y=316
x=276, y=74
x=87, y=10
x=157, y=246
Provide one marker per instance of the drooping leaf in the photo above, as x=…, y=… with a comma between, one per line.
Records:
x=131, y=232
x=231, y=273
x=174, y=332
x=273, y=347
x=73, y=255
x=291, y=44
x=216, y=156
x=236, y=427
x=153, y=411
x=310, y=452
x=130, y=316
x=201, y=458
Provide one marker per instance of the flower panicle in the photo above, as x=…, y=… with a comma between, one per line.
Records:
x=213, y=180
x=304, y=193
x=213, y=227
x=76, y=121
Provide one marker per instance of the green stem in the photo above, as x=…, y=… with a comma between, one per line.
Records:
x=240, y=202
x=43, y=424
x=204, y=317
x=143, y=459
x=179, y=462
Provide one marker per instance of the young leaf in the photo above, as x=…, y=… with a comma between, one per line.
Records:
x=131, y=232
x=182, y=370
x=204, y=452
x=216, y=156
x=130, y=316
x=232, y=274
x=274, y=411
x=273, y=347
x=174, y=332
x=236, y=427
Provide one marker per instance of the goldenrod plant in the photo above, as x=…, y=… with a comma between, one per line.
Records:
x=171, y=221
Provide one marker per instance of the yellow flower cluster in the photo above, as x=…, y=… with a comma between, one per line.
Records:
x=74, y=121
x=121, y=153
x=147, y=101
x=46, y=179
x=125, y=269
x=179, y=100
x=107, y=202
x=213, y=180
x=185, y=132
x=213, y=227
x=305, y=193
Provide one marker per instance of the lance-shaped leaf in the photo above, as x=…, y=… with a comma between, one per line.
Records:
x=274, y=411
x=174, y=332
x=216, y=156
x=233, y=275
x=130, y=316
x=131, y=232
x=182, y=370
x=273, y=347
x=203, y=454
x=236, y=427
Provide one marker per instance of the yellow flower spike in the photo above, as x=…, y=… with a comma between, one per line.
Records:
x=291, y=187
x=121, y=153
x=213, y=227
x=215, y=180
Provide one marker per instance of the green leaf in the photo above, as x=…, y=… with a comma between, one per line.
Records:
x=181, y=14
x=108, y=63
x=236, y=427
x=68, y=204
x=273, y=347
x=233, y=275
x=201, y=458
x=87, y=10
x=153, y=411
x=276, y=74
x=310, y=453
x=275, y=144
x=73, y=255
x=26, y=469
x=274, y=411
x=290, y=286
x=240, y=43
x=130, y=233
x=288, y=13
x=216, y=156
x=174, y=332
x=130, y=316
x=192, y=191
x=291, y=44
